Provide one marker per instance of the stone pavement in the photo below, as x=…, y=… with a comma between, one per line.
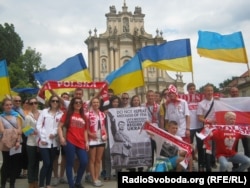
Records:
x=22, y=183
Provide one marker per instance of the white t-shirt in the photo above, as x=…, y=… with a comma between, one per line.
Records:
x=178, y=113
x=194, y=122
x=203, y=108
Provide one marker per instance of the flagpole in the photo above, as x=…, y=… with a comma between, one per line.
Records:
x=248, y=70
x=245, y=54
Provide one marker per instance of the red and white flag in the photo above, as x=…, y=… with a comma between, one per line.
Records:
x=238, y=105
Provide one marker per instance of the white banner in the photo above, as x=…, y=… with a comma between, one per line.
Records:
x=128, y=147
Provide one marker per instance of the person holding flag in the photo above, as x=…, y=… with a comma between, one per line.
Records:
x=32, y=150
x=206, y=115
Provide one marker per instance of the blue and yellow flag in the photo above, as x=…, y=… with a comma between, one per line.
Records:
x=173, y=56
x=4, y=80
x=127, y=77
x=27, y=130
x=229, y=48
x=72, y=69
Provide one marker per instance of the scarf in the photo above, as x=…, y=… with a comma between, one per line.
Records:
x=170, y=138
x=92, y=121
x=153, y=113
x=175, y=101
x=12, y=113
x=103, y=86
x=205, y=132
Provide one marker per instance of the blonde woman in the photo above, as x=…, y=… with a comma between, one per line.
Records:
x=10, y=119
x=97, y=139
x=31, y=146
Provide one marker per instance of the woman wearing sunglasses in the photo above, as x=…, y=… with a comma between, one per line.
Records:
x=75, y=141
x=31, y=146
x=47, y=126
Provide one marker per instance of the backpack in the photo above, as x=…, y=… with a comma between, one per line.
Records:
x=161, y=165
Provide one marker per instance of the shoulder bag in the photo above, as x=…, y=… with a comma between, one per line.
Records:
x=9, y=137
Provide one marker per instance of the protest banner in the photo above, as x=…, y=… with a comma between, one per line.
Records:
x=128, y=146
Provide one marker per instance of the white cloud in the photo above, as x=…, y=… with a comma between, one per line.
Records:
x=57, y=29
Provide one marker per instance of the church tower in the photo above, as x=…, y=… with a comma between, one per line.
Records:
x=124, y=36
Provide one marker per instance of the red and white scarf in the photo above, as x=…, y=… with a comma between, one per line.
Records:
x=153, y=112
x=205, y=132
x=92, y=121
x=170, y=138
x=242, y=129
x=103, y=86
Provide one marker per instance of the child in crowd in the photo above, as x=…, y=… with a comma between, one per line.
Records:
x=168, y=155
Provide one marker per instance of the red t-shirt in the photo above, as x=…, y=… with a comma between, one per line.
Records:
x=225, y=142
x=75, y=132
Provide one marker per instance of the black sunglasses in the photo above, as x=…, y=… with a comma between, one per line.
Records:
x=78, y=102
x=56, y=101
x=32, y=103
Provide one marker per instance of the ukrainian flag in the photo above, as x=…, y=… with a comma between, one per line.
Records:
x=4, y=80
x=27, y=130
x=127, y=77
x=228, y=48
x=173, y=56
x=72, y=69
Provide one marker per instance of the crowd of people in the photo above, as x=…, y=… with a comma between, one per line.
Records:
x=74, y=133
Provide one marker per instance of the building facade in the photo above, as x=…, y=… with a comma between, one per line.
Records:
x=124, y=36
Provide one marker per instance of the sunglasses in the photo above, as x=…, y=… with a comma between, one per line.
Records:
x=17, y=100
x=55, y=101
x=78, y=102
x=32, y=103
x=125, y=98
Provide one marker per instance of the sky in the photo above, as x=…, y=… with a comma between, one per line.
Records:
x=58, y=28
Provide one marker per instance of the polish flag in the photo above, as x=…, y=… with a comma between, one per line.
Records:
x=238, y=105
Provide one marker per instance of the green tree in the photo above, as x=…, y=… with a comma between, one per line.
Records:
x=32, y=62
x=11, y=44
x=21, y=67
x=226, y=82
x=21, y=72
